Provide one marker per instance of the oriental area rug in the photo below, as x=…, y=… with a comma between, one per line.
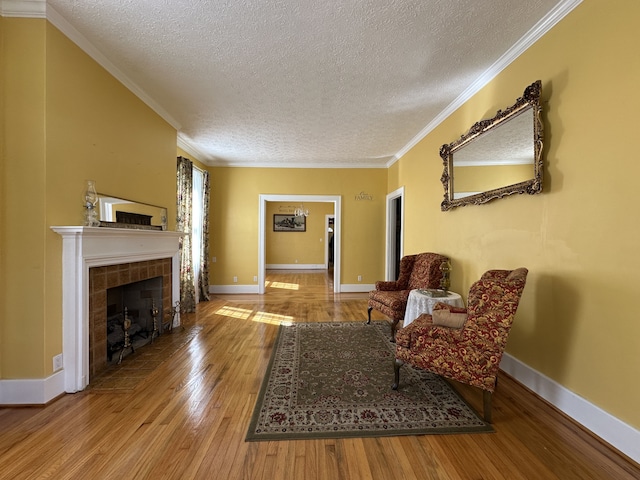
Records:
x=333, y=380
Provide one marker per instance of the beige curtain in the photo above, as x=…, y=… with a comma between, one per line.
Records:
x=183, y=224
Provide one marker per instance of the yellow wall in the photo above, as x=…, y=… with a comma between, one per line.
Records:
x=578, y=321
x=68, y=120
x=304, y=248
x=23, y=200
x=98, y=129
x=234, y=220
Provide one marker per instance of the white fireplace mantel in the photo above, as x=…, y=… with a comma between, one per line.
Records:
x=86, y=247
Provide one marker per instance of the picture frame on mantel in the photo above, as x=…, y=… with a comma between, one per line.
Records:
x=289, y=223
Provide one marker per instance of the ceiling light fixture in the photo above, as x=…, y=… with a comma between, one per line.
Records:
x=301, y=211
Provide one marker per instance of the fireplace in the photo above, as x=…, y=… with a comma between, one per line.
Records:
x=112, y=256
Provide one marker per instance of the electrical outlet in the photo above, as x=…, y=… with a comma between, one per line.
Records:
x=235, y=279
x=255, y=278
x=57, y=363
x=214, y=259
x=359, y=278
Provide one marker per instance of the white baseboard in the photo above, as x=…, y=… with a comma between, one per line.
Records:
x=295, y=266
x=618, y=434
x=356, y=287
x=38, y=391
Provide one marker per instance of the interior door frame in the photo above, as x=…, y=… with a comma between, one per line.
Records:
x=262, y=226
x=391, y=245
x=327, y=217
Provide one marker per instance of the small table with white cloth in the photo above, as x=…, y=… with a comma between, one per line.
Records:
x=419, y=303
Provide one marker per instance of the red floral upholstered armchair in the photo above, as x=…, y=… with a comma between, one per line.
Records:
x=416, y=271
x=465, y=346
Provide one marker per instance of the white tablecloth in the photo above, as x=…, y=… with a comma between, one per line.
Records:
x=419, y=303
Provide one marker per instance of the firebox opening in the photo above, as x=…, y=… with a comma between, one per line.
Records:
x=140, y=303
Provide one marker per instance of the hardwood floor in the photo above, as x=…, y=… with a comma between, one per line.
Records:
x=188, y=417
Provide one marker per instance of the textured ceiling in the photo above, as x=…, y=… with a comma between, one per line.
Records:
x=308, y=83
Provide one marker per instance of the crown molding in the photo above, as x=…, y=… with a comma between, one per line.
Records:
x=23, y=8
x=192, y=150
x=305, y=166
x=81, y=41
x=533, y=35
x=40, y=9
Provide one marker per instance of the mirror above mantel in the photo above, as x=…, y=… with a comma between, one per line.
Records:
x=122, y=213
x=498, y=156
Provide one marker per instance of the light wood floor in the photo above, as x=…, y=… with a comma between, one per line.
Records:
x=189, y=416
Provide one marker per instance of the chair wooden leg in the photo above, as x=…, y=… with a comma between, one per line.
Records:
x=369, y=314
x=394, y=327
x=396, y=373
x=486, y=405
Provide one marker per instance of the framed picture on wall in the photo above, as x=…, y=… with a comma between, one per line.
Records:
x=289, y=223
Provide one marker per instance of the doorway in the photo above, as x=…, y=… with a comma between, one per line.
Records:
x=262, y=226
x=329, y=254
x=395, y=233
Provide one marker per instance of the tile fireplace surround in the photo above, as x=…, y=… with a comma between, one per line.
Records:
x=131, y=275
x=84, y=248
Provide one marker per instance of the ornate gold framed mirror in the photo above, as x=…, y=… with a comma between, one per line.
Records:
x=498, y=156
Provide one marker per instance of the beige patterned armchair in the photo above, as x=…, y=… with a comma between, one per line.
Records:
x=465, y=346
x=416, y=271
